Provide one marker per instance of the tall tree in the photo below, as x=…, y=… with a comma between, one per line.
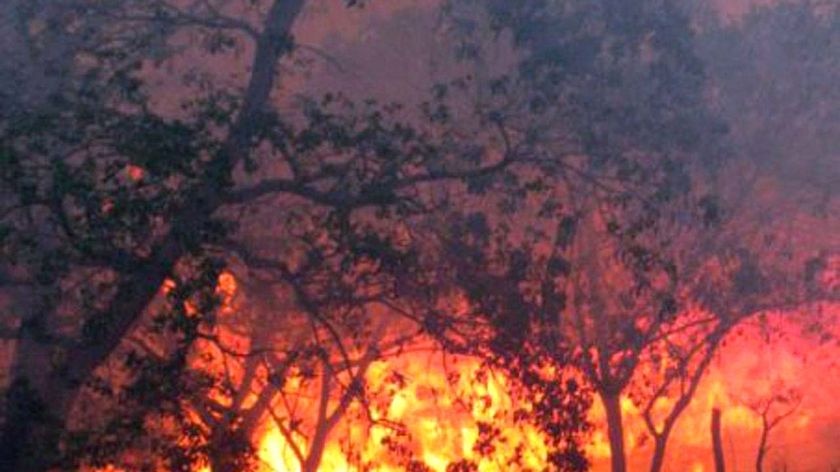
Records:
x=648, y=255
x=617, y=96
x=122, y=216
x=72, y=209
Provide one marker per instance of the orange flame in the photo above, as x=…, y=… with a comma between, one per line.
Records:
x=440, y=403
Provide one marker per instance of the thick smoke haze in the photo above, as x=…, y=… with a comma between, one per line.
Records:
x=422, y=235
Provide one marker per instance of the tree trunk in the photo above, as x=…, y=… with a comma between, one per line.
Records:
x=36, y=403
x=658, y=459
x=762, y=446
x=31, y=437
x=717, y=443
x=219, y=462
x=615, y=428
x=316, y=453
x=20, y=430
x=322, y=427
x=21, y=439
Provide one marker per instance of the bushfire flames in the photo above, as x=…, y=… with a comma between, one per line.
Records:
x=430, y=406
x=453, y=236
x=441, y=408
x=446, y=431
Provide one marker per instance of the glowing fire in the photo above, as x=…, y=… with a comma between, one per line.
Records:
x=437, y=404
x=445, y=430
x=439, y=413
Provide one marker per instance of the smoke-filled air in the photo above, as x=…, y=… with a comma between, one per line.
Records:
x=419, y=235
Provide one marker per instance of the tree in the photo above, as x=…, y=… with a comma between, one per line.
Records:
x=607, y=90
x=770, y=78
x=656, y=256
x=717, y=442
x=126, y=217
x=785, y=399
x=122, y=216
x=59, y=180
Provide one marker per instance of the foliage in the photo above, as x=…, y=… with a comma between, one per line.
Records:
x=565, y=228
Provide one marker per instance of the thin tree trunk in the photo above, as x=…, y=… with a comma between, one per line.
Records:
x=316, y=452
x=220, y=462
x=717, y=443
x=658, y=459
x=762, y=446
x=319, y=439
x=661, y=437
x=328, y=421
x=24, y=433
x=36, y=406
x=615, y=429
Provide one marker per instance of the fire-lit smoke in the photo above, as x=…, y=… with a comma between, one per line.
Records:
x=427, y=407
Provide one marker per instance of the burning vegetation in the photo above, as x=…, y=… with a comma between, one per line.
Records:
x=449, y=236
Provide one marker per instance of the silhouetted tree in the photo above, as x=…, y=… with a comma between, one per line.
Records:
x=614, y=97
x=648, y=255
x=109, y=193
x=717, y=442
x=780, y=403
